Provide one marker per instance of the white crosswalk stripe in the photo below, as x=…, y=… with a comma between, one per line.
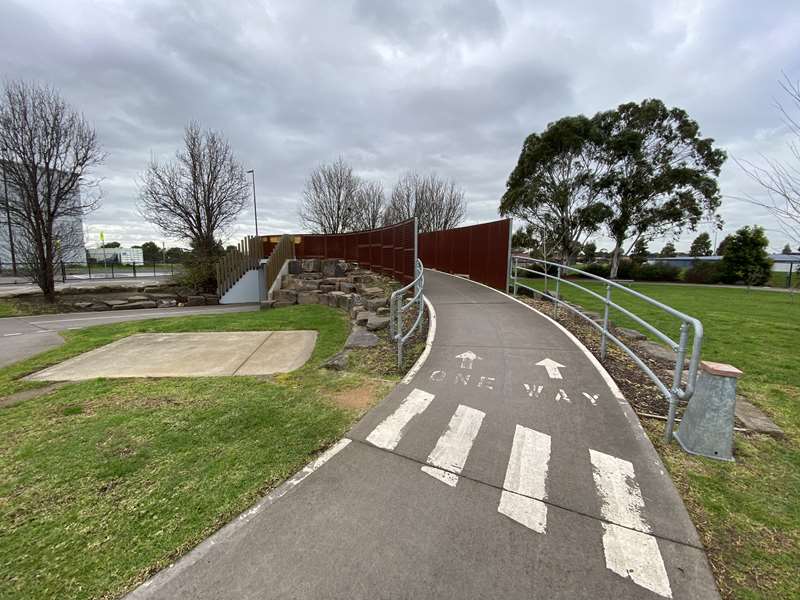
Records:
x=524, y=487
x=630, y=550
x=388, y=433
x=450, y=453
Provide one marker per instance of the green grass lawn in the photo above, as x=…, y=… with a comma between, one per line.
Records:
x=103, y=482
x=748, y=512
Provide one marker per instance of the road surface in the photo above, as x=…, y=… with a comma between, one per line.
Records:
x=507, y=466
x=21, y=337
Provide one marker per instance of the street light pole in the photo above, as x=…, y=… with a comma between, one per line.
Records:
x=255, y=206
x=8, y=222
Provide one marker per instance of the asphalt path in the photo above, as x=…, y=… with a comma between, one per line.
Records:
x=21, y=337
x=507, y=465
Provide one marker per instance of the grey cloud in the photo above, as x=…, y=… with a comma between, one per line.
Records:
x=446, y=85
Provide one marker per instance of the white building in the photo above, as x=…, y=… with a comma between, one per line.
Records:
x=119, y=256
x=71, y=229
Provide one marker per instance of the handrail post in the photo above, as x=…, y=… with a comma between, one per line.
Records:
x=514, y=263
x=605, y=324
x=676, y=381
x=558, y=287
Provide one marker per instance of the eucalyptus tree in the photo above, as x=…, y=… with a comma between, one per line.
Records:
x=554, y=186
x=661, y=175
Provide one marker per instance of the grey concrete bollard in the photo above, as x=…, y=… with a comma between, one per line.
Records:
x=706, y=428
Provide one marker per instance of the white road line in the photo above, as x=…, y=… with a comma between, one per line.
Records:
x=526, y=477
x=452, y=449
x=428, y=344
x=621, y=498
x=629, y=549
x=636, y=555
x=10, y=334
x=388, y=433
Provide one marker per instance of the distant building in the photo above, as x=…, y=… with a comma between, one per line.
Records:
x=72, y=227
x=782, y=263
x=119, y=256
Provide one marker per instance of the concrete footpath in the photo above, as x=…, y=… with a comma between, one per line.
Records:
x=507, y=466
x=22, y=337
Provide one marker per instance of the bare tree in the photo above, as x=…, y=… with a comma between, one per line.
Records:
x=330, y=198
x=780, y=180
x=197, y=196
x=47, y=149
x=369, y=203
x=438, y=204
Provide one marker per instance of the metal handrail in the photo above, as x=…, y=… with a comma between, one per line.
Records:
x=397, y=308
x=674, y=393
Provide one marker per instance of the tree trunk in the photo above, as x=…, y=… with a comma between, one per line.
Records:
x=615, y=256
x=48, y=284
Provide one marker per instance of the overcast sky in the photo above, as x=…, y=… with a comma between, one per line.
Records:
x=453, y=87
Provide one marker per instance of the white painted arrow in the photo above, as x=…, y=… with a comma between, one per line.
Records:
x=552, y=368
x=467, y=358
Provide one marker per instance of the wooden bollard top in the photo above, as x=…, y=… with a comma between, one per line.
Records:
x=721, y=369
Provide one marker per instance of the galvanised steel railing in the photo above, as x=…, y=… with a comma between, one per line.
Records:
x=397, y=308
x=675, y=392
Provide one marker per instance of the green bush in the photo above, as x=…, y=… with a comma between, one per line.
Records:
x=629, y=269
x=657, y=272
x=703, y=271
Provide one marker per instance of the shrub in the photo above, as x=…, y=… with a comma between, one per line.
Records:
x=599, y=269
x=656, y=272
x=703, y=271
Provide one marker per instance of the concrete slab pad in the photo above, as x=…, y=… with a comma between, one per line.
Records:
x=205, y=354
x=284, y=351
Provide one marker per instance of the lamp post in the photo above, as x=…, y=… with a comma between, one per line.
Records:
x=255, y=206
x=8, y=221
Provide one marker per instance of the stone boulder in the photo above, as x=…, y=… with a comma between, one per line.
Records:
x=288, y=296
x=360, y=338
x=166, y=303
x=82, y=305
x=630, y=334
x=113, y=303
x=138, y=298
x=195, y=301
x=99, y=306
x=344, y=301
x=363, y=316
x=134, y=305
x=337, y=362
x=309, y=297
x=374, y=304
x=332, y=267
x=372, y=292
x=311, y=265
x=294, y=267
x=376, y=323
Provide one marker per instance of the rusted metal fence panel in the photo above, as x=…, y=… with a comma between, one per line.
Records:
x=389, y=250
x=480, y=252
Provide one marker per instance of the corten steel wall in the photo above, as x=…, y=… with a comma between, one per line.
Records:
x=480, y=251
x=389, y=250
